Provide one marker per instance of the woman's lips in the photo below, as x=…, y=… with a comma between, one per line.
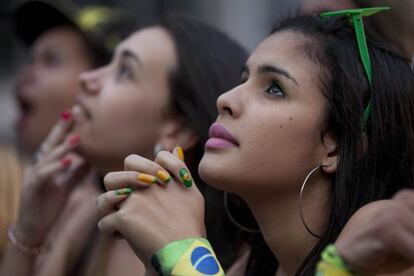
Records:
x=220, y=138
x=26, y=109
x=80, y=111
x=24, y=104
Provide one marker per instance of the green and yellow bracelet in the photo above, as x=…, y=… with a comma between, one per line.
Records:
x=189, y=257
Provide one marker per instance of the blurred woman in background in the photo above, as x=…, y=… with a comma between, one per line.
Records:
x=159, y=91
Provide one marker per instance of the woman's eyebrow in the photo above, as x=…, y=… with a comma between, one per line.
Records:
x=129, y=54
x=277, y=70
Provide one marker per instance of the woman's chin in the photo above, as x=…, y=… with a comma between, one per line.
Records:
x=101, y=161
x=215, y=174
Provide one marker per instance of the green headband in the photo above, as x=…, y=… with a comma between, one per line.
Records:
x=356, y=15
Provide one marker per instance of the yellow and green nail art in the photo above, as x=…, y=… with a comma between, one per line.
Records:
x=147, y=178
x=180, y=152
x=123, y=191
x=163, y=176
x=186, y=177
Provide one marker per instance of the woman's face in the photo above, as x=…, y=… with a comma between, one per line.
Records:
x=274, y=118
x=48, y=84
x=123, y=105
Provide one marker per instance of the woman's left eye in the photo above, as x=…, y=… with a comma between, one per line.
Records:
x=123, y=71
x=275, y=89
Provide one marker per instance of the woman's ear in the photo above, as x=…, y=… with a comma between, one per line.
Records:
x=331, y=155
x=176, y=131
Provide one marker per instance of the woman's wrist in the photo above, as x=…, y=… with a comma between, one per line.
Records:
x=333, y=264
x=193, y=256
x=29, y=233
x=23, y=245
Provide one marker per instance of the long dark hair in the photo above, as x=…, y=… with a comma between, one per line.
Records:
x=376, y=158
x=210, y=64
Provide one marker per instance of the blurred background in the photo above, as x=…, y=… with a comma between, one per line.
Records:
x=231, y=16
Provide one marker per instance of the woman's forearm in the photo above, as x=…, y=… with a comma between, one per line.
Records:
x=16, y=262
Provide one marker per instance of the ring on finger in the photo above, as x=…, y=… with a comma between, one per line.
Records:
x=36, y=156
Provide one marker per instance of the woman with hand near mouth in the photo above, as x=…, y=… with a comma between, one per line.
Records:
x=60, y=48
x=307, y=139
x=158, y=91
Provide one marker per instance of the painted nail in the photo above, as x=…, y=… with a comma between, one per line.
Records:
x=186, y=177
x=180, y=152
x=74, y=139
x=163, y=176
x=66, y=162
x=66, y=115
x=123, y=191
x=147, y=178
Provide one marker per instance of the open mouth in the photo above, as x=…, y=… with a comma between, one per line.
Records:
x=25, y=106
x=80, y=111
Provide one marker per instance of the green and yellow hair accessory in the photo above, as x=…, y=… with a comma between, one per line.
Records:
x=356, y=18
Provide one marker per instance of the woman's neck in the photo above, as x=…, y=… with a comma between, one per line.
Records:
x=279, y=220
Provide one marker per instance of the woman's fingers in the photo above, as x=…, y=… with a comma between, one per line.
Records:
x=74, y=175
x=106, y=202
x=108, y=224
x=58, y=132
x=403, y=245
x=406, y=197
x=119, y=180
x=404, y=217
x=178, y=151
x=46, y=172
x=59, y=151
x=370, y=245
x=165, y=164
x=173, y=164
x=146, y=167
x=138, y=163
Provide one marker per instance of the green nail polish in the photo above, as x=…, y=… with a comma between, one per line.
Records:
x=186, y=177
x=123, y=191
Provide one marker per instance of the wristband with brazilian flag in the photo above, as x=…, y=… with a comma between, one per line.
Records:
x=189, y=257
x=332, y=264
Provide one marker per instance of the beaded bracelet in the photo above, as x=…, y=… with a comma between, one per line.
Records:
x=189, y=257
x=23, y=247
x=332, y=264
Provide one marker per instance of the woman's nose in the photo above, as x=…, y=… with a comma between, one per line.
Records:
x=26, y=75
x=229, y=103
x=90, y=82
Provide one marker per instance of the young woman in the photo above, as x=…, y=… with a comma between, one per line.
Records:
x=59, y=50
x=292, y=141
x=159, y=91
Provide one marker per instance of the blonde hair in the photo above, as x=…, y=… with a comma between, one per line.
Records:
x=10, y=177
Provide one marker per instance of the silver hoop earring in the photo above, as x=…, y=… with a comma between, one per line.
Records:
x=157, y=148
x=226, y=207
x=300, y=201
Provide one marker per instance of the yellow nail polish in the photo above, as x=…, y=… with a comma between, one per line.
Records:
x=180, y=152
x=163, y=176
x=147, y=178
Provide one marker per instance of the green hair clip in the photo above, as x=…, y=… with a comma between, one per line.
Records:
x=356, y=15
